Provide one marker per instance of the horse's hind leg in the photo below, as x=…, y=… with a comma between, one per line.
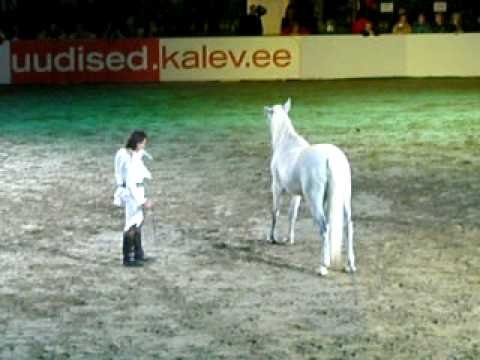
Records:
x=326, y=255
x=292, y=216
x=350, y=254
x=351, y=257
x=318, y=214
x=276, y=192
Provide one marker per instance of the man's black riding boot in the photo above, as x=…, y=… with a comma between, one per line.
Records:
x=128, y=253
x=139, y=253
x=125, y=248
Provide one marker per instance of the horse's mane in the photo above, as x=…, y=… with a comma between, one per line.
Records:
x=283, y=129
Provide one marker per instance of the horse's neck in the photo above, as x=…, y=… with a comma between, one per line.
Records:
x=288, y=140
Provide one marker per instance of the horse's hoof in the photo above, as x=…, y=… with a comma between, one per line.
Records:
x=272, y=238
x=322, y=271
x=350, y=269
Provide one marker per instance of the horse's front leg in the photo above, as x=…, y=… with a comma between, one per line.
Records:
x=276, y=192
x=292, y=216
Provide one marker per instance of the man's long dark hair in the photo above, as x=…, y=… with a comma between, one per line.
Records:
x=136, y=138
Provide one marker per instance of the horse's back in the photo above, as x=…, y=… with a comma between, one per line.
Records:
x=321, y=155
x=330, y=151
x=312, y=157
x=327, y=163
x=336, y=158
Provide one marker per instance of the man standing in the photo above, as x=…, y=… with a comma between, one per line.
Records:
x=130, y=174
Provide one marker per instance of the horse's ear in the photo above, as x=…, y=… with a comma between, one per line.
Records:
x=287, y=106
x=268, y=111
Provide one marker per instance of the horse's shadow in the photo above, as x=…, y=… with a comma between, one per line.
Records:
x=255, y=251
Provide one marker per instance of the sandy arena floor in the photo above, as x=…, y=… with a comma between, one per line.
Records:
x=218, y=289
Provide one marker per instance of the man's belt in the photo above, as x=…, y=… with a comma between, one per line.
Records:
x=125, y=185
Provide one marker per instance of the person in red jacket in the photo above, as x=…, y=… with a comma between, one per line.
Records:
x=363, y=25
x=360, y=23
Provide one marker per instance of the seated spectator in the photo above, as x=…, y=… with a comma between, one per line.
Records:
x=130, y=30
x=329, y=27
x=343, y=26
x=439, y=24
x=152, y=30
x=290, y=16
x=42, y=35
x=81, y=33
x=469, y=19
x=383, y=27
x=140, y=32
x=291, y=24
x=306, y=15
x=112, y=32
x=421, y=25
x=295, y=29
x=15, y=35
x=402, y=26
x=54, y=32
x=455, y=25
x=402, y=11
x=361, y=23
x=3, y=37
x=369, y=29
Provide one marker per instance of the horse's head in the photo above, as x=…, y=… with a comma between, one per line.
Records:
x=277, y=116
x=278, y=109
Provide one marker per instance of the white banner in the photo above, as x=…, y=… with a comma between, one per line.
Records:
x=413, y=55
x=440, y=6
x=343, y=56
x=5, y=63
x=229, y=58
x=386, y=7
x=443, y=55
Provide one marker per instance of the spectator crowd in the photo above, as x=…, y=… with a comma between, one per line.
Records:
x=368, y=23
x=302, y=18
x=111, y=19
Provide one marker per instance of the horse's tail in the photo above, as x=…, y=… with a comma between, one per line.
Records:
x=335, y=219
x=339, y=193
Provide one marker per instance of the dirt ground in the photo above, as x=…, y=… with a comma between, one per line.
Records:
x=217, y=289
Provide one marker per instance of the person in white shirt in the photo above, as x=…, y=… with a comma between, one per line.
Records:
x=130, y=174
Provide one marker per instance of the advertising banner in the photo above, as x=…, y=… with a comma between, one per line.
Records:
x=76, y=61
x=233, y=58
x=238, y=58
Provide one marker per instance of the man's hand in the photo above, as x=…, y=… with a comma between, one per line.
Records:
x=148, y=204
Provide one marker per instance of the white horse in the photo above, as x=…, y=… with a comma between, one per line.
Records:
x=318, y=173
